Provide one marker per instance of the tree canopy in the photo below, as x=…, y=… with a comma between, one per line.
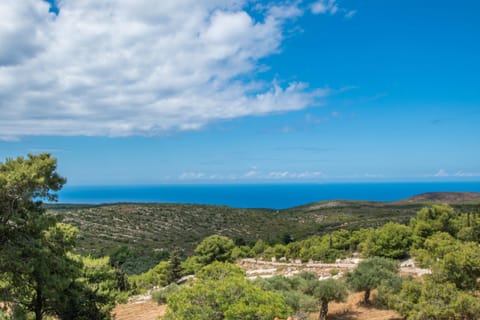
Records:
x=221, y=292
x=38, y=272
x=370, y=273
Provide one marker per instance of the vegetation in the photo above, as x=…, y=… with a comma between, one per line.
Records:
x=39, y=275
x=222, y=292
x=44, y=274
x=305, y=293
x=370, y=274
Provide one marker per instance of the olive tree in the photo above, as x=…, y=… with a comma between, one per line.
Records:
x=370, y=273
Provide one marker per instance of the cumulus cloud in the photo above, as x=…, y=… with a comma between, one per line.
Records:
x=20, y=37
x=119, y=68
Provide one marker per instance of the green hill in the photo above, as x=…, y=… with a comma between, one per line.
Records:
x=157, y=227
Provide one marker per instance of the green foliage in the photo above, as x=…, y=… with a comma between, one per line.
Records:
x=174, y=268
x=4, y=315
x=215, y=248
x=38, y=274
x=387, y=291
x=305, y=293
x=191, y=265
x=430, y=300
x=212, y=248
x=461, y=266
x=259, y=247
x=160, y=295
x=327, y=248
x=329, y=290
x=218, y=271
x=241, y=252
x=158, y=276
x=228, y=296
x=136, y=260
x=435, y=248
x=33, y=266
x=370, y=273
x=170, y=226
x=392, y=240
x=429, y=220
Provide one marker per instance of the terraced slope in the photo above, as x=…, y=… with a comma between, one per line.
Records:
x=168, y=226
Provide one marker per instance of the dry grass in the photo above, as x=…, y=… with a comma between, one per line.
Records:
x=354, y=310
x=350, y=310
x=145, y=310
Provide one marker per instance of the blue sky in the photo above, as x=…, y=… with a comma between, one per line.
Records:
x=243, y=92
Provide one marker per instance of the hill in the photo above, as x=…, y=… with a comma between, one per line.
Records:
x=445, y=197
x=161, y=228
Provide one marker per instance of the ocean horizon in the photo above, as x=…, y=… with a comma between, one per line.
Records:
x=272, y=196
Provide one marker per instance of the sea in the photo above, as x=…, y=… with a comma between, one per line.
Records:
x=272, y=196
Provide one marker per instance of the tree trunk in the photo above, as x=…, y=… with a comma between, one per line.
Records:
x=367, y=296
x=323, y=310
x=38, y=303
x=38, y=308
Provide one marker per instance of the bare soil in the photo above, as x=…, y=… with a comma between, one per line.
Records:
x=354, y=310
x=143, y=310
x=350, y=310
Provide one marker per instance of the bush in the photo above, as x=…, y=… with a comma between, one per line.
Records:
x=160, y=296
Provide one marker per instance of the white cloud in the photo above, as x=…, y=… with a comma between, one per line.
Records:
x=331, y=7
x=466, y=174
x=119, y=68
x=192, y=176
x=459, y=173
x=251, y=174
x=350, y=14
x=20, y=37
x=441, y=173
x=324, y=6
x=294, y=175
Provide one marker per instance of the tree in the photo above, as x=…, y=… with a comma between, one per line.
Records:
x=174, y=269
x=41, y=270
x=305, y=293
x=32, y=247
x=222, y=292
x=392, y=240
x=437, y=218
x=38, y=272
x=327, y=291
x=431, y=300
x=212, y=248
x=215, y=248
x=370, y=273
x=461, y=267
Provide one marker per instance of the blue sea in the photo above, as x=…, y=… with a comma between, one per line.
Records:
x=275, y=196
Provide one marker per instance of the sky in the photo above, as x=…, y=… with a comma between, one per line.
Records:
x=236, y=91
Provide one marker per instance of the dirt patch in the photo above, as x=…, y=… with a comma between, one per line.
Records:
x=349, y=310
x=353, y=310
x=144, y=310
